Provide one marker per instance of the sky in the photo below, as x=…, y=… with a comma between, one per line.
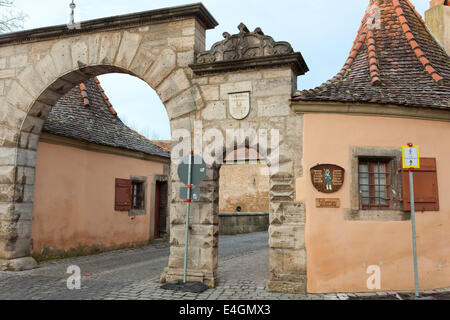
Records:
x=322, y=30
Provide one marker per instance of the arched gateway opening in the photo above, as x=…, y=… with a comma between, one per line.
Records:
x=164, y=48
x=244, y=205
x=99, y=184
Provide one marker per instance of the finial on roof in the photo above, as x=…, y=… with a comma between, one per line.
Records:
x=243, y=28
x=259, y=31
x=72, y=12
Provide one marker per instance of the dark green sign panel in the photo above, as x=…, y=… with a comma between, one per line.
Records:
x=195, y=193
x=198, y=172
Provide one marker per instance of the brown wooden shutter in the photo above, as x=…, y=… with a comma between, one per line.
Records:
x=123, y=195
x=426, y=195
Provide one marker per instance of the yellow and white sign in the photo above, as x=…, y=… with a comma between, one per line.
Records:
x=411, y=157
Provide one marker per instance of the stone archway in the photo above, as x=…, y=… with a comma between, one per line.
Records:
x=40, y=66
x=253, y=63
x=165, y=48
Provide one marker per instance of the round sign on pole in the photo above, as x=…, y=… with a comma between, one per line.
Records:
x=198, y=173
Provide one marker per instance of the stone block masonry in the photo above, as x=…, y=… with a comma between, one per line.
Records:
x=40, y=66
x=165, y=48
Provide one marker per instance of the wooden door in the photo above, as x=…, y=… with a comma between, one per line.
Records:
x=157, y=208
x=161, y=206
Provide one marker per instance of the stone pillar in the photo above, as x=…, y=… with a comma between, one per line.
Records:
x=437, y=19
x=17, y=172
x=287, y=217
x=16, y=206
x=203, y=232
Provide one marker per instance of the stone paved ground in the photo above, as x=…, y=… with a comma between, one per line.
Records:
x=134, y=275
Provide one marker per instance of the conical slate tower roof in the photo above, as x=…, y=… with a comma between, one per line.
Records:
x=394, y=60
x=86, y=114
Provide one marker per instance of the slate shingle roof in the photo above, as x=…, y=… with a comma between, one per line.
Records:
x=85, y=113
x=396, y=62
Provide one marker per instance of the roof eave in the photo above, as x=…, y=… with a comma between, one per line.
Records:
x=371, y=109
x=53, y=138
x=294, y=60
x=197, y=10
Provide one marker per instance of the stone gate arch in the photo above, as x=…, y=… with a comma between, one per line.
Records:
x=253, y=63
x=166, y=49
x=40, y=66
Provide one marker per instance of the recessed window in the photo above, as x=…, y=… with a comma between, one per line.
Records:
x=374, y=183
x=131, y=195
x=137, y=195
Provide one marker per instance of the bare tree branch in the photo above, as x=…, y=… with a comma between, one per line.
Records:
x=143, y=130
x=11, y=19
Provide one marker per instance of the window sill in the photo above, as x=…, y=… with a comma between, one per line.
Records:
x=135, y=213
x=376, y=215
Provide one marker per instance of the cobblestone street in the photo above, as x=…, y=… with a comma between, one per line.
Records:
x=134, y=275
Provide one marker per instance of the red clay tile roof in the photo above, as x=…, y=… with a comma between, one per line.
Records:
x=163, y=144
x=85, y=113
x=394, y=60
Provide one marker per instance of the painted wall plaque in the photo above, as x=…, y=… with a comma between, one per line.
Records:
x=328, y=203
x=327, y=178
x=239, y=105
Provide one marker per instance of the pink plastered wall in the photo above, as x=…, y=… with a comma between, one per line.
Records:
x=74, y=199
x=339, y=251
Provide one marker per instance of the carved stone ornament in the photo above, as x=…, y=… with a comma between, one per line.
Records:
x=244, y=45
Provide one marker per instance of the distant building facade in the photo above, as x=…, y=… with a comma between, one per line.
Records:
x=99, y=184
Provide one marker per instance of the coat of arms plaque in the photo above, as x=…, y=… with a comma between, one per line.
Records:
x=239, y=105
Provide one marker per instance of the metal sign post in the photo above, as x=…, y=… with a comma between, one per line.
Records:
x=413, y=221
x=411, y=160
x=191, y=171
x=188, y=209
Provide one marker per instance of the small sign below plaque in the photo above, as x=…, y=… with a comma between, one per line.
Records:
x=327, y=178
x=328, y=203
x=239, y=104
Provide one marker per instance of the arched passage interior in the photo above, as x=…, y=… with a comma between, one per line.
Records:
x=90, y=164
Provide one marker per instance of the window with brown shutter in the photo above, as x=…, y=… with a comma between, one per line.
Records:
x=426, y=196
x=374, y=183
x=123, y=199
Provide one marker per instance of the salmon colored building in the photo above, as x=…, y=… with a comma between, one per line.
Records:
x=393, y=90
x=99, y=184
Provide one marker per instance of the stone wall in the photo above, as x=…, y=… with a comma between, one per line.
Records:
x=244, y=186
x=241, y=223
x=437, y=20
